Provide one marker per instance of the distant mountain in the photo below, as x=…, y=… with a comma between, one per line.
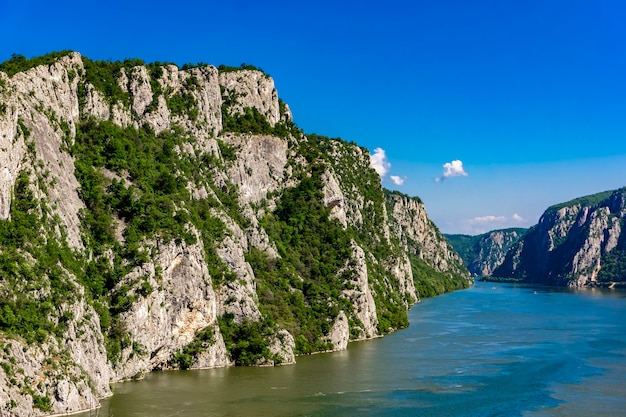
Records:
x=577, y=243
x=483, y=253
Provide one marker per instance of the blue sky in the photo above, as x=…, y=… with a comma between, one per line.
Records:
x=529, y=96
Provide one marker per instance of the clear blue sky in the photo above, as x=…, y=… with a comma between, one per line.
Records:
x=529, y=95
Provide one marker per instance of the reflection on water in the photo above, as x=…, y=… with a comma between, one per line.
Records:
x=500, y=350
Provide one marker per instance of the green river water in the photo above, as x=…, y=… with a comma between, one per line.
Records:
x=491, y=350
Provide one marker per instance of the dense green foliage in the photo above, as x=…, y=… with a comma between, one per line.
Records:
x=104, y=75
x=19, y=63
x=33, y=261
x=243, y=66
x=429, y=282
x=247, y=342
x=586, y=201
x=302, y=289
x=466, y=246
x=614, y=262
x=613, y=267
x=186, y=357
x=361, y=182
x=146, y=192
x=251, y=121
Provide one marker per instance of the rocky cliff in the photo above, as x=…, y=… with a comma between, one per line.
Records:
x=157, y=217
x=577, y=243
x=484, y=253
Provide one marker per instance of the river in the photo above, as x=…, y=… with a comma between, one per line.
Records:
x=491, y=350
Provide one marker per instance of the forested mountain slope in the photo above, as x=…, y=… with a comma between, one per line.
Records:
x=157, y=217
x=483, y=253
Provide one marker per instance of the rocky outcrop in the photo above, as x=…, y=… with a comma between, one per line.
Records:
x=260, y=167
x=575, y=244
x=177, y=267
x=179, y=302
x=251, y=88
x=339, y=334
x=420, y=237
x=56, y=376
x=360, y=294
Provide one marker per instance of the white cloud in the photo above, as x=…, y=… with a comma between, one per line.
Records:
x=397, y=180
x=484, y=224
x=518, y=218
x=452, y=169
x=379, y=162
x=487, y=219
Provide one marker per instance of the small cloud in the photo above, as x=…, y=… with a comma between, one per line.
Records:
x=483, y=224
x=487, y=219
x=379, y=162
x=518, y=218
x=397, y=180
x=452, y=169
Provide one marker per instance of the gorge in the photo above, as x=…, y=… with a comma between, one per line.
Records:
x=158, y=217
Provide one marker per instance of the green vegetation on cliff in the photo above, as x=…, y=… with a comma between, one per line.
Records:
x=583, y=245
x=144, y=190
x=486, y=251
x=302, y=289
x=33, y=261
x=585, y=201
x=19, y=63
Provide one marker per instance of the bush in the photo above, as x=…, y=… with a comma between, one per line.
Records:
x=19, y=63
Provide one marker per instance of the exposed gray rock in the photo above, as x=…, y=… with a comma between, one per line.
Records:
x=173, y=298
x=237, y=295
x=283, y=347
x=339, y=334
x=181, y=303
x=45, y=101
x=95, y=104
x=576, y=244
x=410, y=223
x=361, y=295
x=259, y=167
x=249, y=88
x=333, y=197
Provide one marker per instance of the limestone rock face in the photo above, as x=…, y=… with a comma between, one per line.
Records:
x=181, y=303
x=260, y=165
x=484, y=253
x=283, y=347
x=167, y=288
x=250, y=88
x=12, y=147
x=333, y=198
x=339, y=334
x=43, y=110
x=410, y=223
x=361, y=294
x=575, y=244
x=74, y=374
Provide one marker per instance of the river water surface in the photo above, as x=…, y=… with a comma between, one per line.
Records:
x=491, y=350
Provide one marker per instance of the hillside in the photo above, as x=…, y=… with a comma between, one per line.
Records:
x=576, y=243
x=157, y=217
x=483, y=253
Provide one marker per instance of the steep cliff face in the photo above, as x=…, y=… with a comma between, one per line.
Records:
x=153, y=217
x=424, y=245
x=484, y=253
x=575, y=244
